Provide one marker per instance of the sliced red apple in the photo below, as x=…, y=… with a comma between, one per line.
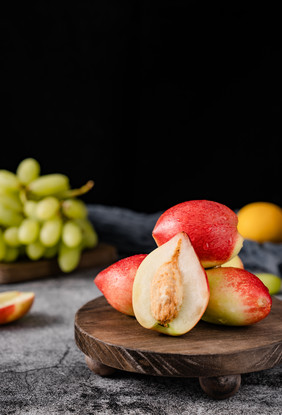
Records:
x=115, y=282
x=237, y=297
x=14, y=305
x=211, y=226
x=170, y=289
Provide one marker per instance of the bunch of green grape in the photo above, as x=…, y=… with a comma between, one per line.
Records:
x=42, y=217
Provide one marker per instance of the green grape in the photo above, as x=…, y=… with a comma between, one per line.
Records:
x=74, y=209
x=11, y=236
x=51, y=251
x=50, y=232
x=71, y=234
x=9, y=217
x=89, y=235
x=2, y=246
x=29, y=208
x=47, y=207
x=48, y=185
x=35, y=250
x=28, y=231
x=28, y=170
x=11, y=201
x=4, y=191
x=11, y=254
x=9, y=181
x=68, y=258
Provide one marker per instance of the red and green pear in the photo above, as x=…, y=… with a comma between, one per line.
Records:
x=211, y=227
x=237, y=297
x=116, y=281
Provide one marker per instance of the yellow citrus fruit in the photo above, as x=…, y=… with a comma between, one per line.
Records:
x=261, y=222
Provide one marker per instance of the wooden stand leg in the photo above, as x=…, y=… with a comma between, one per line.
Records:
x=98, y=367
x=220, y=387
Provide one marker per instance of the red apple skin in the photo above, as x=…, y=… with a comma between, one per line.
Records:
x=6, y=312
x=116, y=281
x=237, y=297
x=211, y=227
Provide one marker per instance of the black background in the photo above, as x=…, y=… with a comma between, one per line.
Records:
x=156, y=101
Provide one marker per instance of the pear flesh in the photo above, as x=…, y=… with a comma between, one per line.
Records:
x=167, y=290
x=170, y=289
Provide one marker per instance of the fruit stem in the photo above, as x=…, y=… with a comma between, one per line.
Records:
x=23, y=195
x=77, y=192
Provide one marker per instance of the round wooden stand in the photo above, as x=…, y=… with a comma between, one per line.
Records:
x=217, y=355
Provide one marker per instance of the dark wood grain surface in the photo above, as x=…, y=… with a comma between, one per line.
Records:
x=19, y=271
x=118, y=341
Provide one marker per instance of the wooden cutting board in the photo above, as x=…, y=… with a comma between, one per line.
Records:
x=101, y=255
x=215, y=354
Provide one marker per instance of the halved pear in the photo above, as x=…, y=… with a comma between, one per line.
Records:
x=170, y=289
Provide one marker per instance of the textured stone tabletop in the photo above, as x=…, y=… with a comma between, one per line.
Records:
x=43, y=372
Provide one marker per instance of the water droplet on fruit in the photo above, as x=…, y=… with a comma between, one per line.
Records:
x=230, y=241
x=206, y=246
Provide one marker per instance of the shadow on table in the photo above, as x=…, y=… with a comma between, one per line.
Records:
x=34, y=320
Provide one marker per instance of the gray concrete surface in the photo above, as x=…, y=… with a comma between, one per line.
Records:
x=42, y=372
